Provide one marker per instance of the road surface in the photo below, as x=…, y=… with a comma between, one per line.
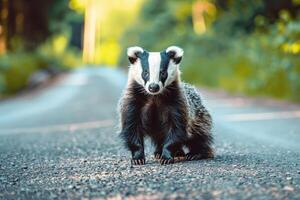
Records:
x=61, y=143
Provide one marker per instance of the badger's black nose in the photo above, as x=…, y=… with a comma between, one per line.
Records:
x=153, y=87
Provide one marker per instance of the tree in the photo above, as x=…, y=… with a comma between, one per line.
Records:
x=28, y=23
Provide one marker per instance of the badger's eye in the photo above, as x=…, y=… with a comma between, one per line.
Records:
x=146, y=74
x=163, y=74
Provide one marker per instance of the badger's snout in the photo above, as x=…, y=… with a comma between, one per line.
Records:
x=153, y=87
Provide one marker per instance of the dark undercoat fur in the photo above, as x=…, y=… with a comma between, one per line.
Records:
x=165, y=119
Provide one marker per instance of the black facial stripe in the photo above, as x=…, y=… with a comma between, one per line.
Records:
x=132, y=60
x=172, y=54
x=164, y=63
x=145, y=65
x=177, y=60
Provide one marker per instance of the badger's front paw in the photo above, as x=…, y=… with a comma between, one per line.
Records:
x=166, y=161
x=191, y=156
x=138, y=157
x=157, y=155
x=141, y=161
x=166, y=158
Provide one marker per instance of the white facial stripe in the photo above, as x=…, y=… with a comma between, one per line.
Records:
x=172, y=73
x=135, y=72
x=154, y=66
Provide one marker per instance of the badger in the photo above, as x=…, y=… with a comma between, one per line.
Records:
x=157, y=104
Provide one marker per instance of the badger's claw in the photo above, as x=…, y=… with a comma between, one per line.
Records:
x=138, y=161
x=157, y=155
x=166, y=161
x=190, y=156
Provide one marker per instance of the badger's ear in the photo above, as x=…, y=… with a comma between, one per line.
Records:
x=133, y=53
x=175, y=53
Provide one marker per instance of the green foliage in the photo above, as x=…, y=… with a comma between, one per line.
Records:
x=56, y=52
x=16, y=68
x=252, y=47
x=39, y=41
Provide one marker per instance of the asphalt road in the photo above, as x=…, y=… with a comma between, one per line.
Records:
x=61, y=142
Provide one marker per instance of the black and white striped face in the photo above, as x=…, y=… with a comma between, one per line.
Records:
x=154, y=70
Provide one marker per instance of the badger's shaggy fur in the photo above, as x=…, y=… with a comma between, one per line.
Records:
x=173, y=118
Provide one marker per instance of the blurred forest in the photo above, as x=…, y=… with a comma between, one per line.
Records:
x=250, y=47
x=43, y=38
x=34, y=36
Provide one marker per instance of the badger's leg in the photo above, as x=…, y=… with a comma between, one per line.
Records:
x=200, y=143
x=171, y=146
x=134, y=141
x=175, y=137
x=178, y=151
x=137, y=152
x=132, y=132
x=199, y=148
x=158, y=141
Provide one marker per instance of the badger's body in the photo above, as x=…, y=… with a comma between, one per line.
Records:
x=170, y=113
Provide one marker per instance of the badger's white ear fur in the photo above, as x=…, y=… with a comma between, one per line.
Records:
x=133, y=53
x=175, y=53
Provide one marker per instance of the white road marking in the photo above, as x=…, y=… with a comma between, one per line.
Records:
x=262, y=116
x=62, y=127
x=77, y=80
x=230, y=102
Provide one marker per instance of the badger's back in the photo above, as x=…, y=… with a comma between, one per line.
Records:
x=200, y=121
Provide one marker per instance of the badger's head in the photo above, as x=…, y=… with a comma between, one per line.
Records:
x=154, y=70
